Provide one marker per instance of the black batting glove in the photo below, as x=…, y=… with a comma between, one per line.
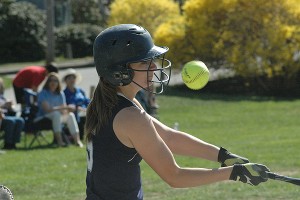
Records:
x=228, y=159
x=250, y=173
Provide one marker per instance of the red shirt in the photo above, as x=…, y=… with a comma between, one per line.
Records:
x=30, y=76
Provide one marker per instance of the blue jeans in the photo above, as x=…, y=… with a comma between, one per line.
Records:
x=12, y=126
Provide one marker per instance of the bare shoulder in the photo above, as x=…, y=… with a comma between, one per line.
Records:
x=136, y=129
x=130, y=123
x=130, y=113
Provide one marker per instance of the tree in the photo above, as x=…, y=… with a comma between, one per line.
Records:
x=86, y=11
x=257, y=39
x=149, y=14
x=260, y=38
x=80, y=36
x=172, y=35
x=204, y=18
x=22, y=29
x=191, y=36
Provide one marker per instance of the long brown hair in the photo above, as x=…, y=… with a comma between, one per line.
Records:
x=100, y=108
x=46, y=86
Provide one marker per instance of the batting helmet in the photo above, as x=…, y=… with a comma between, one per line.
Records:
x=117, y=46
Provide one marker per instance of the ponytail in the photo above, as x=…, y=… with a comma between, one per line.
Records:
x=100, y=108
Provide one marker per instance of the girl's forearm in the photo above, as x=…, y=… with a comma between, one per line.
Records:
x=59, y=108
x=184, y=144
x=192, y=177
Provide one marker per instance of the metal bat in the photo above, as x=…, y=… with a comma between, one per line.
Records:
x=274, y=176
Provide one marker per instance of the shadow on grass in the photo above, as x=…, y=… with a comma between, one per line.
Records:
x=46, y=141
x=38, y=146
x=206, y=94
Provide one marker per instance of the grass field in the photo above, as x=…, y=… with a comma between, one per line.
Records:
x=265, y=130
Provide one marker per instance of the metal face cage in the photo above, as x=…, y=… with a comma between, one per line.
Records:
x=161, y=75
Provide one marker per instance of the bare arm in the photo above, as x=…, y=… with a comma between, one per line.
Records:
x=46, y=107
x=181, y=143
x=135, y=128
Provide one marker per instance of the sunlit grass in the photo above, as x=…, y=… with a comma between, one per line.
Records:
x=265, y=130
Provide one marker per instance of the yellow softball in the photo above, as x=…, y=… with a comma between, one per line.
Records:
x=195, y=74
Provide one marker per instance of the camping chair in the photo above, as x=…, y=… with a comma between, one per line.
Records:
x=29, y=112
x=2, y=135
x=38, y=128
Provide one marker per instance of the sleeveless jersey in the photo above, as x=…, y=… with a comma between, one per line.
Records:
x=113, y=168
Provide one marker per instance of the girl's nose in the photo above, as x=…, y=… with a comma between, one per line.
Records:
x=152, y=66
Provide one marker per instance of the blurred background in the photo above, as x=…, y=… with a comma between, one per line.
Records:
x=249, y=46
x=250, y=105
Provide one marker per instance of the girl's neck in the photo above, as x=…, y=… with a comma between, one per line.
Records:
x=129, y=94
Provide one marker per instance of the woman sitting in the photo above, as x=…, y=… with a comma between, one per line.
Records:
x=11, y=125
x=75, y=96
x=52, y=105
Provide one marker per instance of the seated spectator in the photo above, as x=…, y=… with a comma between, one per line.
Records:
x=76, y=97
x=52, y=105
x=31, y=77
x=11, y=125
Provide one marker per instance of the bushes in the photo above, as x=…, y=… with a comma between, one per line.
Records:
x=80, y=36
x=22, y=32
x=149, y=14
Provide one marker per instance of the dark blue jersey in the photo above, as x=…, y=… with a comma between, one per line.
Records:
x=113, y=168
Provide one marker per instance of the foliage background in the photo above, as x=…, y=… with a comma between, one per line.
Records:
x=22, y=31
x=258, y=40
x=80, y=37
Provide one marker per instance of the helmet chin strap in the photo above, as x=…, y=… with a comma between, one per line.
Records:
x=160, y=82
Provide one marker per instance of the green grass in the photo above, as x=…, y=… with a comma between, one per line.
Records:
x=7, y=82
x=265, y=130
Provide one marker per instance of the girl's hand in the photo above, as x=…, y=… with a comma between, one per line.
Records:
x=71, y=108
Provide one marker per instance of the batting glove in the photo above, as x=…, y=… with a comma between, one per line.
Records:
x=228, y=159
x=250, y=173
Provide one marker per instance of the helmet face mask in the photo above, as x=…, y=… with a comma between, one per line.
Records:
x=161, y=74
x=118, y=46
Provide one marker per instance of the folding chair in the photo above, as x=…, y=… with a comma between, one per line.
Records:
x=38, y=128
x=29, y=112
x=2, y=134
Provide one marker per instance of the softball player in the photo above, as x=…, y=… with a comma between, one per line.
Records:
x=120, y=133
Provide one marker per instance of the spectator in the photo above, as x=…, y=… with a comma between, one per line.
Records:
x=11, y=125
x=52, y=105
x=31, y=77
x=76, y=97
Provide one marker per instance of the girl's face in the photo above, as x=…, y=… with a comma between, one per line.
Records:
x=53, y=83
x=144, y=76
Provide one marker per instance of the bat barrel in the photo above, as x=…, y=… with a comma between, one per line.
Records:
x=274, y=176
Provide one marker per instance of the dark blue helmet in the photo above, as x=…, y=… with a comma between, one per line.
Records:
x=118, y=46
